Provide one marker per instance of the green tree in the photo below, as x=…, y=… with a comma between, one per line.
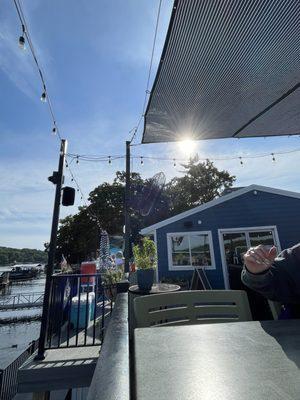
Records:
x=201, y=182
x=10, y=255
x=79, y=234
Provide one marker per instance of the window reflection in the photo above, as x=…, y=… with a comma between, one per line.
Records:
x=191, y=250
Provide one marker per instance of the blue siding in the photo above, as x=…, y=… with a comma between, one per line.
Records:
x=248, y=210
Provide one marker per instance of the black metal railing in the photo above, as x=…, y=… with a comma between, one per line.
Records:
x=8, y=376
x=79, y=305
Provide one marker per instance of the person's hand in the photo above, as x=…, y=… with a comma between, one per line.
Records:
x=259, y=259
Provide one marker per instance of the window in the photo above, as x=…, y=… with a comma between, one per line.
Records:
x=190, y=250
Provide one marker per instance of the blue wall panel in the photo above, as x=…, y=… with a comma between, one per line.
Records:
x=248, y=210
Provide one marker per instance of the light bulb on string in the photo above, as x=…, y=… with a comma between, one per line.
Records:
x=44, y=97
x=54, y=130
x=22, y=43
x=109, y=159
x=77, y=160
x=241, y=161
x=174, y=162
x=142, y=161
x=22, y=39
x=72, y=180
x=273, y=157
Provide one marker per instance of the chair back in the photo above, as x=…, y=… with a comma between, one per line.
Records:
x=192, y=307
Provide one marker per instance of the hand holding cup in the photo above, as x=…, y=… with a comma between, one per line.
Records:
x=260, y=258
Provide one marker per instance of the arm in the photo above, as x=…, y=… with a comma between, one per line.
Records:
x=280, y=281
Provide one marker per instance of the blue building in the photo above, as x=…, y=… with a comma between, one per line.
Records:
x=215, y=235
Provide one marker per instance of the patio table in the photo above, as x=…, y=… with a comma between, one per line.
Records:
x=229, y=361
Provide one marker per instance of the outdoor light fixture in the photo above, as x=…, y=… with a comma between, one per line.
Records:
x=22, y=39
x=44, y=97
x=22, y=42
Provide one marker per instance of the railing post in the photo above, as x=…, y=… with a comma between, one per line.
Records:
x=58, y=180
x=127, y=209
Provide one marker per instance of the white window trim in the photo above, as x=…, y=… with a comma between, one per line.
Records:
x=184, y=267
x=247, y=230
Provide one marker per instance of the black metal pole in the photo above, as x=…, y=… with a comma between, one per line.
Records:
x=57, y=178
x=127, y=208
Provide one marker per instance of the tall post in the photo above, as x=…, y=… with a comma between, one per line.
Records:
x=57, y=179
x=127, y=208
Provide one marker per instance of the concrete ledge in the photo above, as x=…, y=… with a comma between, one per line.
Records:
x=111, y=377
x=61, y=369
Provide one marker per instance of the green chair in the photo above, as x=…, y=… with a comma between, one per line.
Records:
x=191, y=307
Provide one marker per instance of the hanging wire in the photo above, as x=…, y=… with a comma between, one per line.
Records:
x=45, y=94
x=82, y=196
x=142, y=158
x=147, y=91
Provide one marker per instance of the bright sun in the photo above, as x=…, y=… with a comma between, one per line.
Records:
x=187, y=146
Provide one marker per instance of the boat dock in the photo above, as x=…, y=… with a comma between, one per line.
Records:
x=22, y=300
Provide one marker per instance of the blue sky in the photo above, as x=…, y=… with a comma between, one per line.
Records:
x=95, y=56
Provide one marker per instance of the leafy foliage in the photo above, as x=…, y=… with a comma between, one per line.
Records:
x=145, y=254
x=78, y=236
x=202, y=182
x=10, y=255
x=112, y=276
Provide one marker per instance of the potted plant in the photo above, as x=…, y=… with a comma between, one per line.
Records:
x=145, y=261
x=110, y=278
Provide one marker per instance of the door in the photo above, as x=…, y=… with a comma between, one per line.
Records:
x=233, y=244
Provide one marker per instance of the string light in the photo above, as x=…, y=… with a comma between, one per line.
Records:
x=44, y=95
x=82, y=197
x=103, y=158
x=22, y=39
x=77, y=160
x=25, y=38
x=273, y=157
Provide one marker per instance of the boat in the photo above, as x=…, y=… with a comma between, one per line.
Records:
x=23, y=273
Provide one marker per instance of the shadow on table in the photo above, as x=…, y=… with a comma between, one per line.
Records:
x=287, y=334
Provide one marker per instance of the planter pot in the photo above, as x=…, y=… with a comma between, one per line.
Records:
x=110, y=292
x=145, y=279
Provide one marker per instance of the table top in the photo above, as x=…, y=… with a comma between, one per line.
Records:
x=156, y=288
x=231, y=361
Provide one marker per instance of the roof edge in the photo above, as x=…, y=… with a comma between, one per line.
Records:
x=215, y=202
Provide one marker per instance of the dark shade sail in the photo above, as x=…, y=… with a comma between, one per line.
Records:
x=229, y=68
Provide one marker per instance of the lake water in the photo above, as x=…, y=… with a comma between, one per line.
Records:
x=19, y=333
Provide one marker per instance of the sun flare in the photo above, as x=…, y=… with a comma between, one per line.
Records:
x=187, y=147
